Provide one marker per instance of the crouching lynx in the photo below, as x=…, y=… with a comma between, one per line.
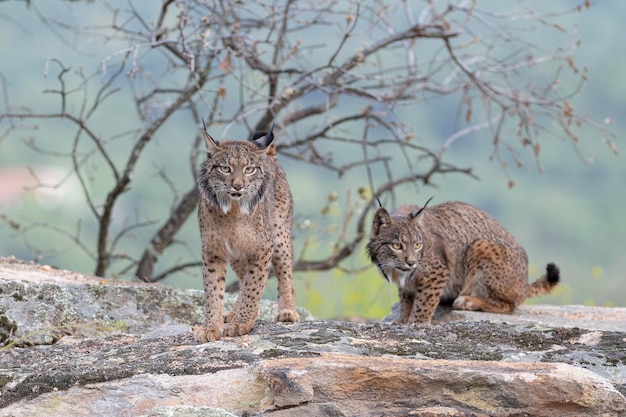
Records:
x=452, y=252
x=244, y=215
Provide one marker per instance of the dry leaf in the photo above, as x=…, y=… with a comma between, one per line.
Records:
x=225, y=65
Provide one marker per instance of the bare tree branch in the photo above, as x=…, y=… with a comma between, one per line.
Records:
x=165, y=235
x=337, y=78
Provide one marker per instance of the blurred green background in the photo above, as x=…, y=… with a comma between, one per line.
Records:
x=572, y=213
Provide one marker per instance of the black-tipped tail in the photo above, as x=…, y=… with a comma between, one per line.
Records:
x=546, y=283
x=553, y=275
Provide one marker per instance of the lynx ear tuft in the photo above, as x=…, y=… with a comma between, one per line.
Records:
x=417, y=212
x=211, y=144
x=264, y=140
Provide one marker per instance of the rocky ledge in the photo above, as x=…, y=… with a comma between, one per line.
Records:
x=76, y=345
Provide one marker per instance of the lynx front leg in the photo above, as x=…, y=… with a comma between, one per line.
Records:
x=214, y=278
x=282, y=261
x=427, y=296
x=252, y=285
x=239, y=266
x=406, y=305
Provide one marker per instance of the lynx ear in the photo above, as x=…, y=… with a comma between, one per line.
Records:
x=381, y=218
x=211, y=144
x=417, y=212
x=264, y=140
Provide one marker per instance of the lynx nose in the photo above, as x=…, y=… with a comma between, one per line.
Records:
x=411, y=263
x=237, y=186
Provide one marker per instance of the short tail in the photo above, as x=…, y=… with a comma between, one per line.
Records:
x=545, y=283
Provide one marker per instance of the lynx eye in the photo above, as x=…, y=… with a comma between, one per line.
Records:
x=418, y=245
x=396, y=246
x=225, y=169
x=249, y=170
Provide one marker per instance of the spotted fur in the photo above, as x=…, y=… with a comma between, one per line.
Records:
x=452, y=253
x=244, y=215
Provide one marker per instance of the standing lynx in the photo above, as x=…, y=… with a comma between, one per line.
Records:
x=452, y=252
x=244, y=216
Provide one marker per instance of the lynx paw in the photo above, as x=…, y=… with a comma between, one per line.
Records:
x=228, y=317
x=466, y=303
x=237, y=329
x=206, y=334
x=287, y=314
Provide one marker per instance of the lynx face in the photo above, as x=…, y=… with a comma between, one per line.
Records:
x=234, y=172
x=395, y=246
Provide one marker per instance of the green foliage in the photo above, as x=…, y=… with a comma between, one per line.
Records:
x=349, y=296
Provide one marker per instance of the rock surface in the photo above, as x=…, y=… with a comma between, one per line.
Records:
x=40, y=304
x=79, y=346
